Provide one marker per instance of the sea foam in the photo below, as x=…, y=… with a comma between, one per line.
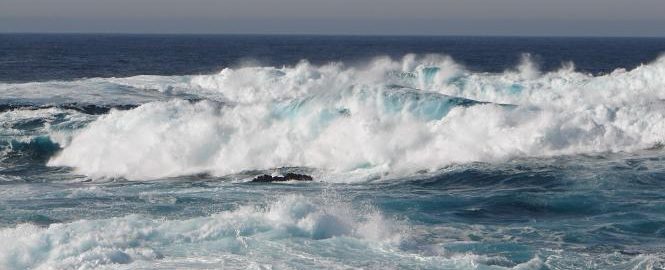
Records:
x=90, y=244
x=388, y=118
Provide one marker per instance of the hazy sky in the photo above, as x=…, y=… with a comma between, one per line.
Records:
x=439, y=17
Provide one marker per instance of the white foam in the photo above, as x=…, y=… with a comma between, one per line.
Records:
x=23, y=126
x=351, y=121
x=89, y=244
x=564, y=88
x=99, y=91
x=48, y=119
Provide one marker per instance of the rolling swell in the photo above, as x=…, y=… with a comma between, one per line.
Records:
x=445, y=167
x=28, y=134
x=38, y=149
x=386, y=118
x=123, y=240
x=92, y=109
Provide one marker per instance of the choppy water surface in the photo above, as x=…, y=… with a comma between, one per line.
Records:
x=420, y=161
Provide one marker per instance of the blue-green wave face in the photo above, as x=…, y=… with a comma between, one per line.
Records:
x=40, y=148
x=392, y=100
x=424, y=105
x=410, y=163
x=433, y=79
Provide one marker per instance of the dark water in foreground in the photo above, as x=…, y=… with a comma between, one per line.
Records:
x=136, y=152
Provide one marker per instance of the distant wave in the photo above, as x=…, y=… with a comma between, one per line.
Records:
x=82, y=108
x=384, y=118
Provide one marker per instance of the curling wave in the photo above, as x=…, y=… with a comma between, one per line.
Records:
x=387, y=118
x=27, y=134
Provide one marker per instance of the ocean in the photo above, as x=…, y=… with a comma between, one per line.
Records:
x=141, y=151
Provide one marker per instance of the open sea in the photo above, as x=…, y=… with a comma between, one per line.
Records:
x=139, y=152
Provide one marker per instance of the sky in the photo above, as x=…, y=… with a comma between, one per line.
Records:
x=359, y=17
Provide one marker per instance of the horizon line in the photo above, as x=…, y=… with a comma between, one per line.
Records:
x=321, y=34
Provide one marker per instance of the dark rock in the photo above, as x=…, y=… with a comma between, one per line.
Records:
x=263, y=178
x=297, y=177
x=287, y=177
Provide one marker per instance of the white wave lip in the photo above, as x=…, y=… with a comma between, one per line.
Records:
x=387, y=118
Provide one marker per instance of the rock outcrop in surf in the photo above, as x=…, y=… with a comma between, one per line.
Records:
x=287, y=177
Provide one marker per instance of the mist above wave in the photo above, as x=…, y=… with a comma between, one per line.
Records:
x=384, y=118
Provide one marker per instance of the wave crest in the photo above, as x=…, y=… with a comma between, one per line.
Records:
x=87, y=244
x=386, y=118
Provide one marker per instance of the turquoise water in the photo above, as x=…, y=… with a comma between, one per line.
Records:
x=419, y=161
x=596, y=212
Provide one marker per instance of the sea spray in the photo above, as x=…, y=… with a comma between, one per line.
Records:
x=382, y=119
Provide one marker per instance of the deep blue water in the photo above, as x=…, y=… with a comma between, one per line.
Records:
x=138, y=151
x=39, y=57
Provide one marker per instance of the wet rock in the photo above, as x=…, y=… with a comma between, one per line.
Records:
x=287, y=177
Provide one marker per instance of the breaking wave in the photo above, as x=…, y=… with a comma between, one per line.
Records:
x=386, y=118
x=28, y=134
x=258, y=230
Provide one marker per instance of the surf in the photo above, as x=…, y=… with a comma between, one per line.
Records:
x=385, y=118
